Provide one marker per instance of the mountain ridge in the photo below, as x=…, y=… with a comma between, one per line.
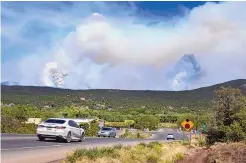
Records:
x=57, y=97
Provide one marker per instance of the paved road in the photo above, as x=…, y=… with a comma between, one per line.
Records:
x=19, y=142
x=162, y=134
x=27, y=149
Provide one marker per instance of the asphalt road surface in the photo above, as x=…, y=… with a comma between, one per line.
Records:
x=17, y=148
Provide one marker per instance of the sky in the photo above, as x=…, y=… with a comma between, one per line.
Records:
x=122, y=45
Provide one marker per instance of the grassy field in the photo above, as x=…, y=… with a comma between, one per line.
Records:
x=167, y=125
x=156, y=152
x=153, y=152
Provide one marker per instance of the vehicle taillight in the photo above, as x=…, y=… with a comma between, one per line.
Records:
x=60, y=127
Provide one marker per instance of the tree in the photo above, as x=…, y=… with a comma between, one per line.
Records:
x=230, y=123
x=228, y=103
x=149, y=121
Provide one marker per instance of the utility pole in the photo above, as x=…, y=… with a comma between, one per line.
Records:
x=190, y=137
x=183, y=135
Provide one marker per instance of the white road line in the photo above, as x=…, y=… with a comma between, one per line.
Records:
x=31, y=147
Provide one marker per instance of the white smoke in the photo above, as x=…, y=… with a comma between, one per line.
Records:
x=52, y=75
x=117, y=52
x=178, y=83
x=104, y=41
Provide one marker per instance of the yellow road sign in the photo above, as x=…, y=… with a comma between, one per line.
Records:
x=187, y=124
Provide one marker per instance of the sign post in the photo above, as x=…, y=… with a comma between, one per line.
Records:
x=203, y=129
x=183, y=136
x=187, y=124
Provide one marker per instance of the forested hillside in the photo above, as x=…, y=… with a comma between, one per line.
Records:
x=117, y=99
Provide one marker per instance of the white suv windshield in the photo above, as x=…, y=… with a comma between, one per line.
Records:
x=58, y=121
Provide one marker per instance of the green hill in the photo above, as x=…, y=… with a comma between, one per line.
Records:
x=55, y=97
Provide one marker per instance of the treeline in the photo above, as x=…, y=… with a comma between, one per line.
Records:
x=14, y=117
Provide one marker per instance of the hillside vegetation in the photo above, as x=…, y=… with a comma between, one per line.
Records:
x=117, y=99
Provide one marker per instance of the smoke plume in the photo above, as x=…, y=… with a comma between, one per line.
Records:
x=112, y=51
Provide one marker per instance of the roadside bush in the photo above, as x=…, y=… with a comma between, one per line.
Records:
x=92, y=154
x=27, y=129
x=178, y=157
x=201, y=143
x=214, y=135
x=235, y=133
x=10, y=125
x=93, y=129
x=153, y=158
x=118, y=146
x=85, y=125
x=232, y=133
x=138, y=135
x=142, y=144
x=126, y=134
x=153, y=144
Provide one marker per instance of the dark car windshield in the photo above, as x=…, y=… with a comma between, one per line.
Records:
x=58, y=121
x=107, y=129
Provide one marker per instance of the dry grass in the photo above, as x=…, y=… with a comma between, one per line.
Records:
x=172, y=152
x=224, y=153
x=138, y=134
x=198, y=140
x=153, y=152
x=167, y=125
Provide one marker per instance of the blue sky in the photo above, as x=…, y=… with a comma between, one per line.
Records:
x=133, y=41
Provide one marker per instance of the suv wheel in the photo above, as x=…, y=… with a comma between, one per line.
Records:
x=69, y=137
x=41, y=138
x=82, y=137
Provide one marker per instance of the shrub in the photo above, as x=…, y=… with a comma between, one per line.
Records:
x=91, y=154
x=186, y=142
x=153, y=158
x=138, y=135
x=153, y=144
x=235, y=133
x=214, y=135
x=178, y=157
x=84, y=125
x=142, y=144
x=27, y=129
x=118, y=146
x=201, y=143
x=126, y=134
x=93, y=129
x=10, y=125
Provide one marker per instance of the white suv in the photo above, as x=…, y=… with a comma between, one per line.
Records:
x=60, y=129
x=170, y=136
